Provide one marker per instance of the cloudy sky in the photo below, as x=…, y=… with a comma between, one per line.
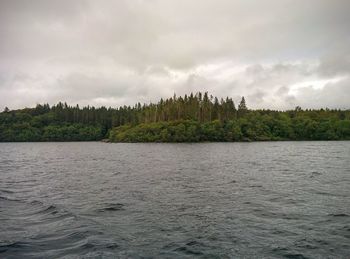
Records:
x=277, y=53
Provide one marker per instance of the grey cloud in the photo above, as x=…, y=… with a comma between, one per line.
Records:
x=335, y=66
x=157, y=70
x=283, y=90
x=257, y=97
x=127, y=51
x=176, y=34
x=332, y=95
x=255, y=70
x=283, y=94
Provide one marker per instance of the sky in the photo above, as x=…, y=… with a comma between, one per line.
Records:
x=279, y=54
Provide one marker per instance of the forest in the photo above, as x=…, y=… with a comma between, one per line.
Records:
x=191, y=118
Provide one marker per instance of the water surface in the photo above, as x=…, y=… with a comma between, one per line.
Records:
x=210, y=200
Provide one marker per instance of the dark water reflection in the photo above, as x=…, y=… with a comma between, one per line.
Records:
x=212, y=200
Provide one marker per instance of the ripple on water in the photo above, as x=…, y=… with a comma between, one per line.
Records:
x=49, y=231
x=209, y=200
x=112, y=207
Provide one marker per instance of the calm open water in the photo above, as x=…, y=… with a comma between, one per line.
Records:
x=210, y=200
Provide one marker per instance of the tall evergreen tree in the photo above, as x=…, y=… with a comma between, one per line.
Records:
x=242, y=108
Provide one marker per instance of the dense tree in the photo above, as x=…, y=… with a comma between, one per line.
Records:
x=194, y=117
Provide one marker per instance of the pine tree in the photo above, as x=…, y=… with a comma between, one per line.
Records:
x=242, y=108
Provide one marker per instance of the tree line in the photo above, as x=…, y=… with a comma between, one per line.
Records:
x=191, y=118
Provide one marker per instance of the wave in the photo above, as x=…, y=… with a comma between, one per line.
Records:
x=50, y=231
x=112, y=207
x=339, y=215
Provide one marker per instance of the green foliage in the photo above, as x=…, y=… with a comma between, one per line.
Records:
x=177, y=131
x=192, y=118
x=253, y=127
x=73, y=132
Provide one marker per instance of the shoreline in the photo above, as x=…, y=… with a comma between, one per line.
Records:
x=185, y=142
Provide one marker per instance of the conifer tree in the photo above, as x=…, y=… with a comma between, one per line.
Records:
x=242, y=108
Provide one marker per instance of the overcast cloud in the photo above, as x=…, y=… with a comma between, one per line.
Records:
x=277, y=53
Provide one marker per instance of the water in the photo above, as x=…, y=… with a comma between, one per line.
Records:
x=210, y=200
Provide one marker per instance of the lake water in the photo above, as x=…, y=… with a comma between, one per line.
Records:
x=209, y=200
